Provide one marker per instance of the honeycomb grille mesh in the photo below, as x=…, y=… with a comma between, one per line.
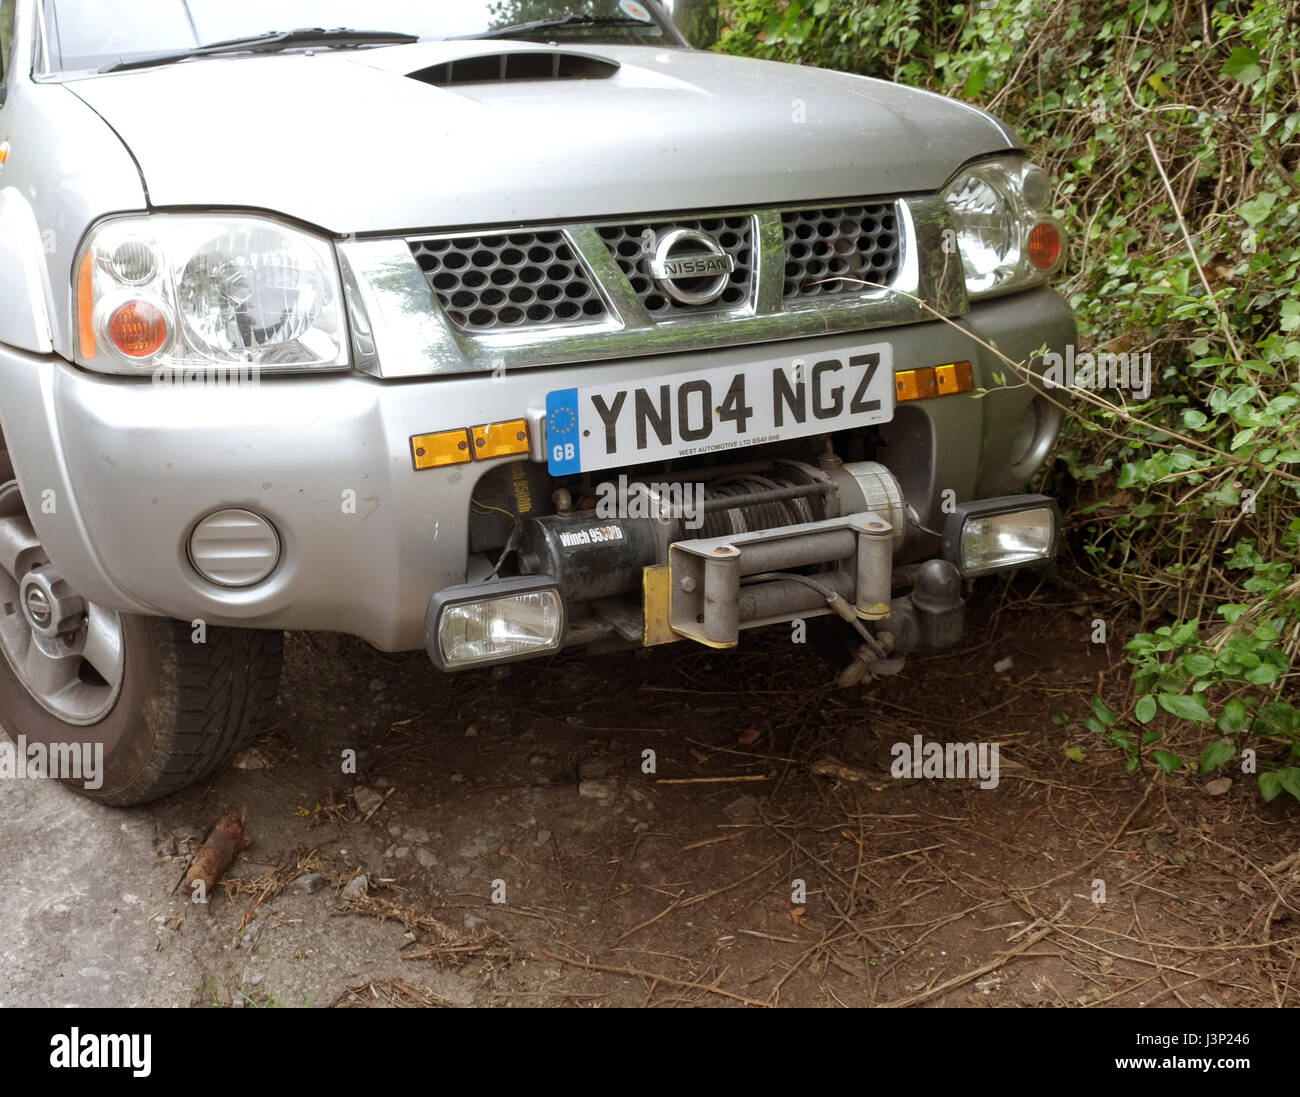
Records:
x=632, y=246
x=534, y=279
x=523, y=279
x=823, y=246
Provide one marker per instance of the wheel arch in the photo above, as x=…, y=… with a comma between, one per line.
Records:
x=25, y=322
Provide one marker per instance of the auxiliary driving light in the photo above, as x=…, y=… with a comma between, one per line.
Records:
x=990, y=535
x=494, y=622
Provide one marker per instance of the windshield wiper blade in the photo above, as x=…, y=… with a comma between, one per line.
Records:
x=553, y=24
x=303, y=38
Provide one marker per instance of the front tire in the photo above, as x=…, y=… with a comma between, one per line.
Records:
x=164, y=711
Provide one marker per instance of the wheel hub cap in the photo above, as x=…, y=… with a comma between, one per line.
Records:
x=66, y=652
x=37, y=606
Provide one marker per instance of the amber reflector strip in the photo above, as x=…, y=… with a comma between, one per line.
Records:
x=448, y=447
x=954, y=377
x=500, y=439
x=916, y=384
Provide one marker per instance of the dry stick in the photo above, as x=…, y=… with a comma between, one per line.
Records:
x=1281, y=897
x=1121, y=956
x=1175, y=946
x=1191, y=250
x=637, y=973
x=1181, y=986
x=1137, y=921
x=961, y=980
x=379, y=805
x=1127, y=990
x=1104, y=849
x=710, y=780
x=678, y=904
x=714, y=841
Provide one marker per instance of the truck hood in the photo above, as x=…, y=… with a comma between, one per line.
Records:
x=354, y=142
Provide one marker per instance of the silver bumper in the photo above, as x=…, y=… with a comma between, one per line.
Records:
x=117, y=472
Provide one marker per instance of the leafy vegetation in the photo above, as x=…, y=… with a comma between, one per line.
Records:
x=1172, y=129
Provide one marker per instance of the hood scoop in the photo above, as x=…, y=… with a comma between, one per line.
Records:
x=492, y=68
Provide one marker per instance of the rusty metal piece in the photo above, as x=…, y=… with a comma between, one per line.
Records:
x=226, y=842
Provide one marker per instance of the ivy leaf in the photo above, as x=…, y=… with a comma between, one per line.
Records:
x=1243, y=65
x=1258, y=208
x=1290, y=315
x=1146, y=708
x=1166, y=761
x=1074, y=754
x=1289, y=779
x=1263, y=675
x=1185, y=708
x=979, y=73
x=1104, y=712
x=1215, y=754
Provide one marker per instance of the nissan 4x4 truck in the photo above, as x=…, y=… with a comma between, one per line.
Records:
x=490, y=328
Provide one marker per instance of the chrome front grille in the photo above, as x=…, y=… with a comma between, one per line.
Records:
x=487, y=283
x=514, y=297
x=837, y=249
x=632, y=246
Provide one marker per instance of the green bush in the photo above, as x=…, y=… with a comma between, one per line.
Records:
x=1173, y=132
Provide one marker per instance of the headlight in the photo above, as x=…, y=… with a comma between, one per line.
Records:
x=988, y=535
x=1004, y=235
x=494, y=622
x=183, y=292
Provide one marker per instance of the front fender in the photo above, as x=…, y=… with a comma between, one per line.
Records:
x=24, y=277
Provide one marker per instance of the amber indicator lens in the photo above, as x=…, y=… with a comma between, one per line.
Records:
x=1044, y=245
x=138, y=329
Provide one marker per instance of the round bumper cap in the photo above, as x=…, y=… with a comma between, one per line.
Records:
x=234, y=548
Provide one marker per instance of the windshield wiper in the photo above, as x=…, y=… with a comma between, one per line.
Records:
x=272, y=42
x=575, y=20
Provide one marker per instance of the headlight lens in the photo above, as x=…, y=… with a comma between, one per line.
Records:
x=1004, y=234
x=180, y=292
x=494, y=622
x=989, y=535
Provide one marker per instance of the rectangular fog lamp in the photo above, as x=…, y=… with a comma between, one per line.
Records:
x=991, y=535
x=494, y=622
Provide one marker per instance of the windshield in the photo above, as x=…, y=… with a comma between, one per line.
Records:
x=87, y=34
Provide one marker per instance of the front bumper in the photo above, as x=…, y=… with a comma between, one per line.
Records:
x=116, y=472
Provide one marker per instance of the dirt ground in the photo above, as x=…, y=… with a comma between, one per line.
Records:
x=520, y=847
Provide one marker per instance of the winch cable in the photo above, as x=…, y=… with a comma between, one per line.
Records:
x=768, y=514
x=838, y=605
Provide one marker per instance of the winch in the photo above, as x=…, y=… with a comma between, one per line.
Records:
x=601, y=552
x=713, y=555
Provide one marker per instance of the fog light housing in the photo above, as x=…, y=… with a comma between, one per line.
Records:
x=234, y=548
x=498, y=622
x=992, y=535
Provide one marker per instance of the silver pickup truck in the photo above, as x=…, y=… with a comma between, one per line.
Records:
x=489, y=328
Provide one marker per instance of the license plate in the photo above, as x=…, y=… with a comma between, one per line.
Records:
x=707, y=411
